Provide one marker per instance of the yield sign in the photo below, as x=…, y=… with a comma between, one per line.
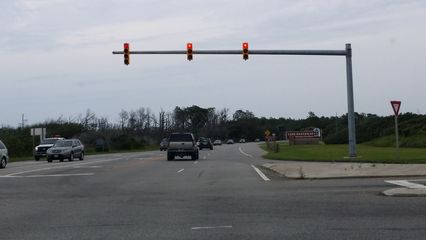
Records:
x=396, y=105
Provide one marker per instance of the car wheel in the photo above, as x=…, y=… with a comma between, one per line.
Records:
x=3, y=163
x=37, y=158
x=49, y=159
x=61, y=160
x=170, y=157
x=211, y=148
x=71, y=157
x=82, y=156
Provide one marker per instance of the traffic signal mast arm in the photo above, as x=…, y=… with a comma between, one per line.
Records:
x=347, y=53
x=252, y=52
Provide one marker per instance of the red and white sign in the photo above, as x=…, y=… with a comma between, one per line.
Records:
x=396, y=105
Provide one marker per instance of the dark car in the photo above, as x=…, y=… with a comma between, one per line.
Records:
x=41, y=150
x=3, y=155
x=66, y=149
x=205, y=143
x=163, y=144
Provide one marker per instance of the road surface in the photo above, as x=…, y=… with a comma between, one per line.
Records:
x=221, y=196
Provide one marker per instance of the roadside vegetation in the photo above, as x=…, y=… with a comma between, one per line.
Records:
x=339, y=153
x=142, y=129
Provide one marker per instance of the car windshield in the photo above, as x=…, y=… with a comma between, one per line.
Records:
x=63, y=144
x=180, y=138
x=49, y=141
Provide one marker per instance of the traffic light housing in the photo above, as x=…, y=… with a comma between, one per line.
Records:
x=126, y=53
x=189, y=51
x=245, y=51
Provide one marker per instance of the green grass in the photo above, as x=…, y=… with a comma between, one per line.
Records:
x=339, y=152
x=91, y=151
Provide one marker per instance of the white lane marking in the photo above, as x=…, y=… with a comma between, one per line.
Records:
x=210, y=227
x=246, y=154
x=406, y=184
x=181, y=170
x=51, y=175
x=62, y=166
x=204, y=157
x=263, y=176
x=208, y=154
x=195, y=162
x=87, y=166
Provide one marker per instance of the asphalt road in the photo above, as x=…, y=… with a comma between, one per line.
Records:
x=220, y=196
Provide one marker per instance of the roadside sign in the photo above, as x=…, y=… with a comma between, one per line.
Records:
x=267, y=133
x=396, y=105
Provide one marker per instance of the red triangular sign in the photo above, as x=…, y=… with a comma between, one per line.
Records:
x=396, y=105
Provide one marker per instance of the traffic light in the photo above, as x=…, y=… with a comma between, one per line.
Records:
x=189, y=51
x=126, y=54
x=245, y=51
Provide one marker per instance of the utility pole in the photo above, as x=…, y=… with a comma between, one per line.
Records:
x=23, y=120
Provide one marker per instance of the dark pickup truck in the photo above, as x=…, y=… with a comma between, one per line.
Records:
x=182, y=144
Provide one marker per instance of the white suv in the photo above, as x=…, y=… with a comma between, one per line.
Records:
x=3, y=155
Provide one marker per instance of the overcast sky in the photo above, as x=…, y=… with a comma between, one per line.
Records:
x=56, y=56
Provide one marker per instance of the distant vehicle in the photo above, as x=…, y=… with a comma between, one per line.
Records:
x=41, y=150
x=163, y=144
x=217, y=142
x=205, y=143
x=67, y=148
x=4, y=157
x=242, y=140
x=230, y=141
x=257, y=140
x=182, y=144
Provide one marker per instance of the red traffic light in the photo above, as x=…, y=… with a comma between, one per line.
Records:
x=126, y=53
x=245, y=51
x=189, y=51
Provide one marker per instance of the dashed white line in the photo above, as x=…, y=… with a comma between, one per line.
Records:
x=263, y=176
x=87, y=166
x=210, y=227
x=195, y=162
x=245, y=154
x=180, y=170
x=62, y=166
x=50, y=175
x=204, y=157
x=406, y=184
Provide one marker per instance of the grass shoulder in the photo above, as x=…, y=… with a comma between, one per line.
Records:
x=339, y=153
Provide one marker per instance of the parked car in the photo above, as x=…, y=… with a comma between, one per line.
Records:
x=242, y=140
x=4, y=157
x=217, y=142
x=205, y=143
x=66, y=149
x=41, y=150
x=257, y=140
x=163, y=144
x=182, y=144
x=230, y=141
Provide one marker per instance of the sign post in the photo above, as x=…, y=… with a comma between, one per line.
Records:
x=396, y=105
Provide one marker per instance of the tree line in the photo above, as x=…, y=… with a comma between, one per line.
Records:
x=136, y=129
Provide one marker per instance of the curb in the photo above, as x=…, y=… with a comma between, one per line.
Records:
x=281, y=174
x=405, y=192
